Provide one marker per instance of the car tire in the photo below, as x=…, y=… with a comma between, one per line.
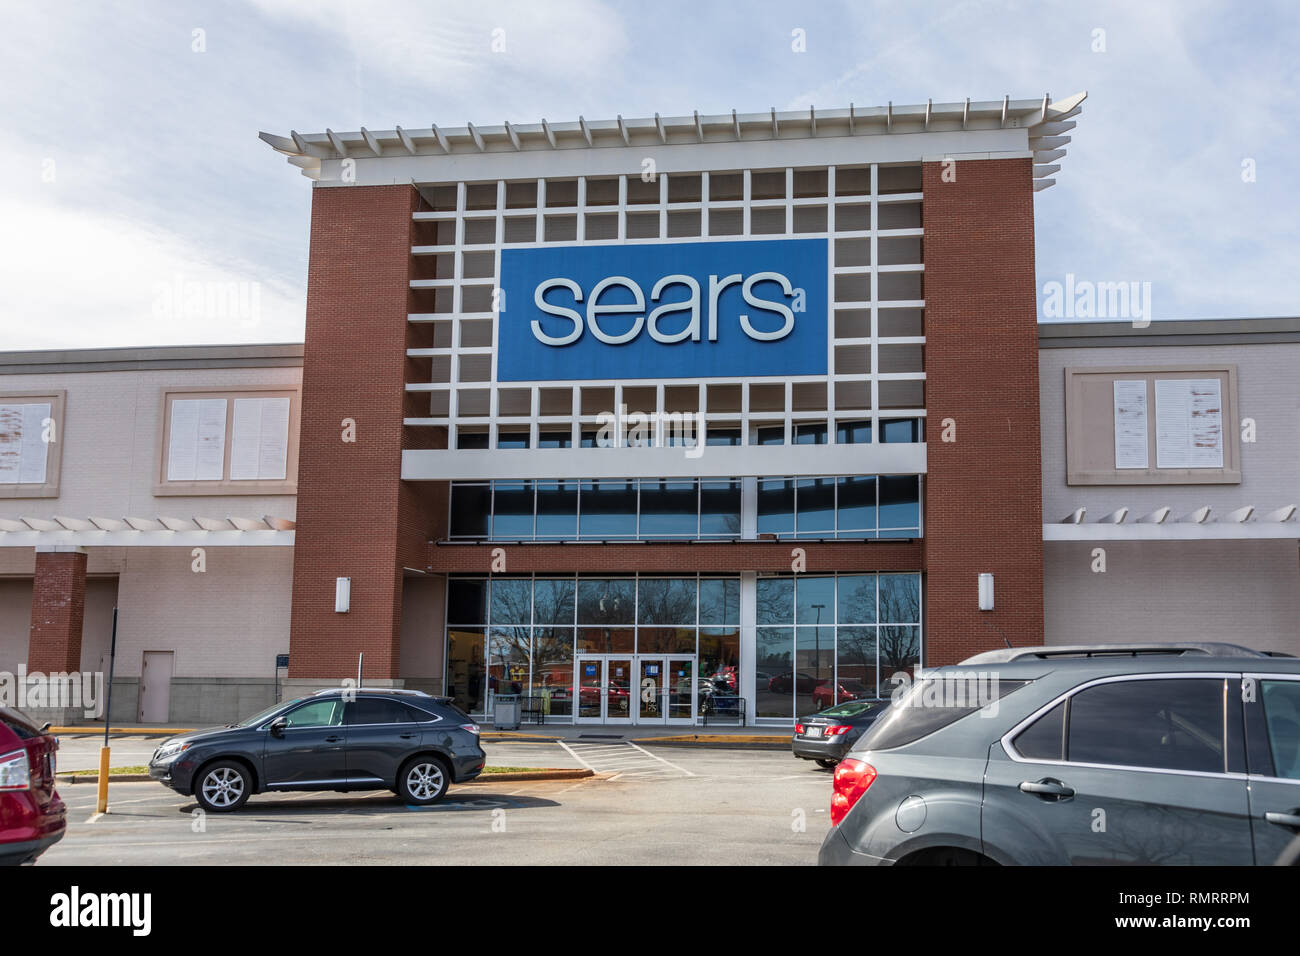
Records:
x=423, y=780
x=826, y=764
x=223, y=787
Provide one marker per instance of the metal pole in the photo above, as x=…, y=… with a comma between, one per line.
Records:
x=102, y=804
x=361, y=659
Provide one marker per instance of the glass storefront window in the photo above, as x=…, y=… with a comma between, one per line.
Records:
x=606, y=600
x=719, y=601
x=606, y=640
x=553, y=601
x=815, y=600
x=814, y=659
x=853, y=433
x=900, y=506
x=856, y=507
x=666, y=601
x=855, y=649
x=900, y=651
x=665, y=640
x=608, y=509
x=815, y=504
x=719, y=650
x=508, y=660
x=465, y=675
x=900, y=599
x=774, y=601
x=512, y=601
x=774, y=672
x=512, y=510
x=857, y=599
x=557, y=510
x=467, y=601
x=553, y=669
x=776, y=506
x=471, y=507
x=720, y=509
x=669, y=509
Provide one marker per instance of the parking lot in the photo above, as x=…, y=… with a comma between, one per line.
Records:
x=648, y=804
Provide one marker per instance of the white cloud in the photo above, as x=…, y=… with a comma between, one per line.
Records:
x=77, y=278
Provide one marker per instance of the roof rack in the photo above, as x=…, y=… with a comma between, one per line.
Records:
x=1176, y=649
x=400, y=691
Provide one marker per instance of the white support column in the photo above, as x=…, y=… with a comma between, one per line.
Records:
x=748, y=641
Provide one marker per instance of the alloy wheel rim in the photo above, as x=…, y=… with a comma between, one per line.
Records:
x=223, y=786
x=424, y=781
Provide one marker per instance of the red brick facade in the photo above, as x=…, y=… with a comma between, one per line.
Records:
x=58, y=609
x=983, y=491
x=355, y=517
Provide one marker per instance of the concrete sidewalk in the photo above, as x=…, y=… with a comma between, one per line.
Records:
x=715, y=735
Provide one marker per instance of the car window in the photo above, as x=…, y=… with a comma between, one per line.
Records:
x=319, y=713
x=1174, y=724
x=377, y=710
x=931, y=704
x=853, y=709
x=19, y=723
x=264, y=714
x=1044, y=738
x=1282, y=717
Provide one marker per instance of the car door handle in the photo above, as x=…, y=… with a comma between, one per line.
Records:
x=1047, y=787
x=1289, y=820
x=408, y=736
x=333, y=739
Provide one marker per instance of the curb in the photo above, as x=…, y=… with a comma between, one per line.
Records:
x=715, y=739
x=94, y=778
x=124, y=731
x=539, y=775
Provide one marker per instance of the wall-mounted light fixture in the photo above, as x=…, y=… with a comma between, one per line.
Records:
x=342, y=595
x=986, y=592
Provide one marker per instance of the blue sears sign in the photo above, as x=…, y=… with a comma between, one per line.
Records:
x=663, y=310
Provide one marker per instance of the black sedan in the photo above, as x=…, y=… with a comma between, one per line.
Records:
x=405, y=741
x=828, y=735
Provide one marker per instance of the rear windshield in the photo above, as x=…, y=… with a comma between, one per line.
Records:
x=19, y=724
x=854, y=708
x=932, y=704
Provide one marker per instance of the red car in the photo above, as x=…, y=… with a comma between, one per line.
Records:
x=823, y=697
x=32, y=817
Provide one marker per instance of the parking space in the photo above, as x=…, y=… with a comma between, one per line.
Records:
x=665, y=805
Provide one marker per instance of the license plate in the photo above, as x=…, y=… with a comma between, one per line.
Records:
x=813, y=732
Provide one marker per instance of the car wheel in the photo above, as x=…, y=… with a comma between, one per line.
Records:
x=423, y=781
x=223, y=786
x=826, y=764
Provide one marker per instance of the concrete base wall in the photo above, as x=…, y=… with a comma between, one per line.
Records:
x=1241, y=592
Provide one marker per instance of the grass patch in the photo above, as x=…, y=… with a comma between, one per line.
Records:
x=488, y=770
x=94, y=771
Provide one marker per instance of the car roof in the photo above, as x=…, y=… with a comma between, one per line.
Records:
x=1101, y=663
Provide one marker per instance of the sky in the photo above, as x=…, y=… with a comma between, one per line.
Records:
x=131, y=166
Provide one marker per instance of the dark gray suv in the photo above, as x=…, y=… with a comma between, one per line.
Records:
x=405, y=741
x=1100, y=754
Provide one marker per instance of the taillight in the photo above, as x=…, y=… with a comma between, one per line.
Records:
x=798, y=728
x=852, y=778
x=15, y=771
x=837, y=730
x=472, y=728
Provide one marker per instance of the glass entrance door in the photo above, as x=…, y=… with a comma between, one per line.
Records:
x=681, y=694
x=605, y=690
x=642, y=690
x=650, y=698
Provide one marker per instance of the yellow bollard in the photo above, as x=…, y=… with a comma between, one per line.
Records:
x=102, y=806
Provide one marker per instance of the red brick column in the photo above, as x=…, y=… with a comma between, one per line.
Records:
x=983, y=497
x=58, y=608
x=355, y=517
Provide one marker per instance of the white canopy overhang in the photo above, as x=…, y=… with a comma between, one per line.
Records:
x=1200, y=524
x=158, y=532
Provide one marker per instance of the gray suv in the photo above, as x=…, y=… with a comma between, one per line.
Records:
x=1185, y=754
x=400, y=740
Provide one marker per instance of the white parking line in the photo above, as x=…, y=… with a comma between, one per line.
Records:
x=661, y=759
x=574, y=754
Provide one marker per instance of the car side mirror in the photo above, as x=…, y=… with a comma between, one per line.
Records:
x=278, y=725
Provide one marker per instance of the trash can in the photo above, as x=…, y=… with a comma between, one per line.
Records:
x=507, y=707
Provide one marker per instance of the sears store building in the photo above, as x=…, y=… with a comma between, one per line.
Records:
x=631, y=415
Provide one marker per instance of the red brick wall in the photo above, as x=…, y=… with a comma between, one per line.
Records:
x=355, y=517
x=983, y=494
x=679, y=558
x=58, y=609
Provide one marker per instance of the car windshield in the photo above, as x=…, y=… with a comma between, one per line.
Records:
x=262, y=715
x=854, y=708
